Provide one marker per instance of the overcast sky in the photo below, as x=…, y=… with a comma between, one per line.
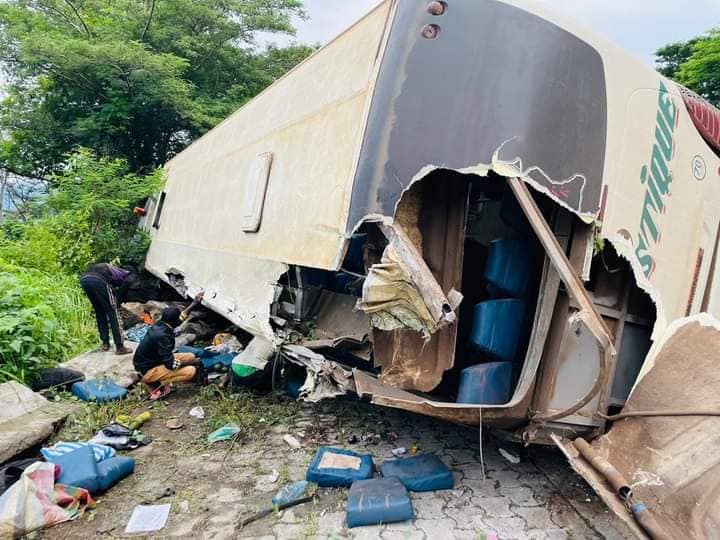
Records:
x=639, y=26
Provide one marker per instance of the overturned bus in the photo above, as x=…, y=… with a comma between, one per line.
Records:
x=479, y=211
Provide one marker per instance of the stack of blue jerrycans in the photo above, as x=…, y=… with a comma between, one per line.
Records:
x=498, y=323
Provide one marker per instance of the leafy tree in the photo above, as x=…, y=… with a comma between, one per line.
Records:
x=130, y=79
x=85, y=218
x=695, y=64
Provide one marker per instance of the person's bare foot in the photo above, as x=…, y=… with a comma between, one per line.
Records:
x=105, y=347
x=123, y=350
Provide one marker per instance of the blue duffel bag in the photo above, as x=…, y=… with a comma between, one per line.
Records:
x=112, y=470
x=335, y=467
x=98, y=390
x=78, y=469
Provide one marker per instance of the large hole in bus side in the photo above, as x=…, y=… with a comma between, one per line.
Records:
x=474, y=237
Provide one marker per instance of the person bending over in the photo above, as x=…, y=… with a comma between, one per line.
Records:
x=100, y=282
x=154, y=358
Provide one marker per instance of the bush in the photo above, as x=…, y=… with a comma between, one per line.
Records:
x=45, y=319
x=86, y=218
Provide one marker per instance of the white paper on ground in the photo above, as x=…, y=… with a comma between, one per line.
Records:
x=148, y=518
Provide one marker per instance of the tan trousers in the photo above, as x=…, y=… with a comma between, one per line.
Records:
x=165, y=376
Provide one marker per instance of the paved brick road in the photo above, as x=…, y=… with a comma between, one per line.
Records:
x=212, y=487
x=540, y=497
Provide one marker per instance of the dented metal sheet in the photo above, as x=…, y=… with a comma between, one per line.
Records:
x=324, y=379
x=456, y=100
x=401, y=292
x=672, y=462
x=312, y=121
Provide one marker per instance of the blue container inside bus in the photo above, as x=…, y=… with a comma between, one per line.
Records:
x=511, y=266
x=485, y=384
x=497, y=326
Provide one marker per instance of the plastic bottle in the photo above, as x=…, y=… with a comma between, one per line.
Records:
x=290, y=493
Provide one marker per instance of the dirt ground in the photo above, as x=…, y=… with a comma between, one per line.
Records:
x=212, y=487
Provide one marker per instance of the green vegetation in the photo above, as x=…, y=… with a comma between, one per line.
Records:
x=43, y=320
x=98, y=96
x=695, y=64
x=131, y=79
x=86, y=217
x=254, y=415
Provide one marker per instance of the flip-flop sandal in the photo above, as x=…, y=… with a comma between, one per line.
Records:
x=161, y=393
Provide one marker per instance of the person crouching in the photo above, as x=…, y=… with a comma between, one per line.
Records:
x=155, y=360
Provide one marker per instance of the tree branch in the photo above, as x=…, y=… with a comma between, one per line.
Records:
x=63, y=15
x=149, y=20
x=77, y=14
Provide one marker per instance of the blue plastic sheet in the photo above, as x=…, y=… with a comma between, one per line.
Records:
x=98, y=390
x=419, y=473
x=380, y=500
x=335, y=467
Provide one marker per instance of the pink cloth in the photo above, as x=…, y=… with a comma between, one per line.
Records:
x=34, y=502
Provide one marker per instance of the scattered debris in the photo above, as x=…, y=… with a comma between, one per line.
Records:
x=290, y=493
x=133, y=423
x=224, y=433
x=352, y=439
x=174, y=424
x=148, y=518
x=98, y=390
x=30, y=504
x=512, y=457
x=197, y=412
x=399, y=451
x=264, y=513
x=291, y=441
x=167, y=492
x=274, y=476
x=378, y=500
x=324, y=379
x=425, y=472
x=337, y=467
x=225, y=343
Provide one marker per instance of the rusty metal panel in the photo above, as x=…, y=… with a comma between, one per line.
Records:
x=409, y=360
x=671, y=463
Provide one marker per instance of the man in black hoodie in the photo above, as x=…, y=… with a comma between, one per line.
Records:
x=100, y=282
x=155, y=359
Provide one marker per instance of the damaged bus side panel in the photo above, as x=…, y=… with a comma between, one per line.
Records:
x=482, y=213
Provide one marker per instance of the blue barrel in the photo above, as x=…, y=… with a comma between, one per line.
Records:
x=485, y=384
x=497, y=325
x=511, y=266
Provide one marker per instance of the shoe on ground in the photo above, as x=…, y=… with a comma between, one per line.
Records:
x=105, y=347
x=123, y=350
x=161, y=393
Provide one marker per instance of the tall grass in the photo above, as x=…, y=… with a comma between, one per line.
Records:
x=44, y=319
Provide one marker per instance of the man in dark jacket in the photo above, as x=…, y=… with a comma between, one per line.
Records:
x=100, y=282
x=154, y=358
